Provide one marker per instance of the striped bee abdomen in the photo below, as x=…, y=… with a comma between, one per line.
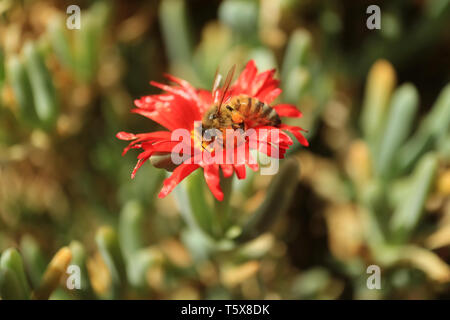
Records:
x=255, y=112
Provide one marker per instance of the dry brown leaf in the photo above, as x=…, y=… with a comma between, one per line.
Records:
x=344, y=229
x=427, y=261
x=99, y=274
x=358, y=164
x=231, y=276
x=440, y=238
x=176, y=253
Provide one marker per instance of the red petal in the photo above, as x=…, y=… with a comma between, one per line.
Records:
x=186, y=85
x=181, y=82
x=244, y=82
x=296, y=132
x=206, y=100
x=270, y=150
x=178, y=109
x=268, y=96
x=148, y=137
x=173, y=90
x=264, y=134
x=164, y=146
x=262, y=81
x=251, y=162
x=180, y=172
x=159, y=117
x=139, y=164
x=287, y=110
x=227, y=170
x=212, y=178
x=286, y=139
x=122, y=135
x=240, y=170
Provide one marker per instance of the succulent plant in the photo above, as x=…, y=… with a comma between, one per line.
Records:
x=372, y=189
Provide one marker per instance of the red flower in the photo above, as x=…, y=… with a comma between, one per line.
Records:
x=182, y=105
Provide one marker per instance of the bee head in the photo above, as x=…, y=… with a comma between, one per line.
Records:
x=218, y=117
x=212, y=116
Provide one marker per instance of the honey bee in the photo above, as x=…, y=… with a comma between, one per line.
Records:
x=239, y=112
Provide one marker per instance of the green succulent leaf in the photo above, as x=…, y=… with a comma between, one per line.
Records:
x=13, y=280
x=35, y=262
x=79, y=258
x=138, y=265
x=294, y=75
x=10, y=287
x=241, y=16
x=173, y=18
x=2, y=68
x=408, y=213
x=108, y=244
x=60, y=42
x=44, y=94
x=199, y=210
x=130, y=227
x=88, y=39
x=435, y=125
x=278, y=198
x=399, y=123
x=20, y=83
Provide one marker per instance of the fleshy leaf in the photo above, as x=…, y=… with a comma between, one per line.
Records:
x=278, y=198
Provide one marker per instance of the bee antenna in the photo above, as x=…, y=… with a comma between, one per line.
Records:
x=226, y=86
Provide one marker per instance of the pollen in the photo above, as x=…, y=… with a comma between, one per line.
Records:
x=237, y=118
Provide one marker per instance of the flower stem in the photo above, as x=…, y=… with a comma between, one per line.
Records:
x=222, y=208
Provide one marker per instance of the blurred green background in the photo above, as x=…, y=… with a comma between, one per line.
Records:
x=373, y=188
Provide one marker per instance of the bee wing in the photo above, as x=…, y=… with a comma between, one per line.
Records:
x=217, y=80
x=226, y=85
